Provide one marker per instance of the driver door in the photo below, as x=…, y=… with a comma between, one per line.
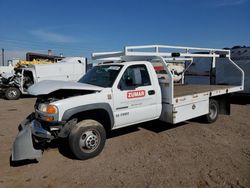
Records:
x=134, y=97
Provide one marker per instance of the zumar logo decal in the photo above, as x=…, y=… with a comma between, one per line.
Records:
x=135, y=94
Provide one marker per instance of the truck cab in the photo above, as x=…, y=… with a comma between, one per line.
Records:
x=134, y=94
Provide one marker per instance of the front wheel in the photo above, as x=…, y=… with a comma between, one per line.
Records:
x=87, y=139
x=213, y=111
x=12, y=93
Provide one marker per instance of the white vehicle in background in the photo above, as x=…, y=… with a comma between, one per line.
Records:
x=123, y=93
x=68, y=69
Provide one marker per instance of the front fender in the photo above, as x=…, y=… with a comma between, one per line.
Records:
x=105, y=106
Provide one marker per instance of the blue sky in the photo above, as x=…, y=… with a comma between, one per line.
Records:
x=77, y=28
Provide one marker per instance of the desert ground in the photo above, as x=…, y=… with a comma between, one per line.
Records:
x=154, y=154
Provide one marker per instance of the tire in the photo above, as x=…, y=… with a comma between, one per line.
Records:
x=87, y=139
x=213, y=111
x=12, y=93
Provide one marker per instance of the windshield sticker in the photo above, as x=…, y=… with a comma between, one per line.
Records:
x=114, y=68
x=135, y=94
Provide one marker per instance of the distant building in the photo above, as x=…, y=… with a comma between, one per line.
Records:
x=30, y=56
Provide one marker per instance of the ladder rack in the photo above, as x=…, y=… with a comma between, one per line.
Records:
x=162, y=50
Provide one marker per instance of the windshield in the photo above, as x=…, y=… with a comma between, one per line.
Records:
x=103, y=76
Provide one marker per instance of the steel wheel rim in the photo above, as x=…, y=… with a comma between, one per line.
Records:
x=89, y=141
x=12, y=93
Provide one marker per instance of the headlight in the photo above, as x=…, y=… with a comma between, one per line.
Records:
x=47, y=108
x=42, y=107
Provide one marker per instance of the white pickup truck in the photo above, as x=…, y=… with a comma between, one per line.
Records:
x=121, y=93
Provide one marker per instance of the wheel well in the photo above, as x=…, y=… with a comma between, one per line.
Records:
x=99, y=115
x=224, y=103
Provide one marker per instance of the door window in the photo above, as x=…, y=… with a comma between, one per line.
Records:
x=134, y=76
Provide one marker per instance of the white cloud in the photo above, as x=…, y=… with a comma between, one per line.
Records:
x=222, y=3
x=52, y=36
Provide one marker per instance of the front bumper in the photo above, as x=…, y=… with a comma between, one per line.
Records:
x=39, y=132
x=23, y=146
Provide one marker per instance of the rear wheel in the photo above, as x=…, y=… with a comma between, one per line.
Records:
x=87, y=139
x=213, y=111
x=12, y=93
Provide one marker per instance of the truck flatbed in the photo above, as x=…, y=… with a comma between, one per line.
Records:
x=183, y=90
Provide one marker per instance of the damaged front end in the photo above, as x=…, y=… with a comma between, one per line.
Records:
x=33, y=134
x=24, y=144
x=37, y=131
x=44, y=125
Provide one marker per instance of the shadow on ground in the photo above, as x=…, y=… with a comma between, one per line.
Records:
x=159, y=126
x=22, y=162
x=241, y=99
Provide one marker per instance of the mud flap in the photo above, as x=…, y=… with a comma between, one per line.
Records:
x=23, y=145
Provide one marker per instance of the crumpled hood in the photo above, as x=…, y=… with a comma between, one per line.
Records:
x=49, y=86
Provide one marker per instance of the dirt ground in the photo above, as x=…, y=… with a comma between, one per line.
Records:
x=154, y=154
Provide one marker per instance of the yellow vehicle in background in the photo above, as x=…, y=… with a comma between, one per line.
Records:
x=34, y=62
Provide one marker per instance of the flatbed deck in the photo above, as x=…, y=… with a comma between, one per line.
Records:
x=183, y=90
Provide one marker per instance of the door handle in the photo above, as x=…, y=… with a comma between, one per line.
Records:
x=151, y=92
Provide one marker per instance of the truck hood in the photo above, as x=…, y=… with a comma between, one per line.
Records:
x=48, y=86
